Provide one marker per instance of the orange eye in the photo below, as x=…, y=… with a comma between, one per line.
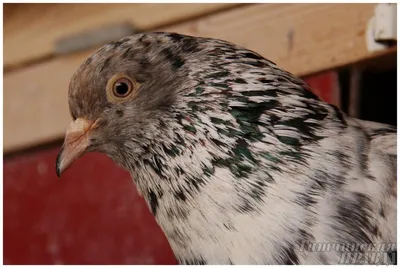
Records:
x=121, y=88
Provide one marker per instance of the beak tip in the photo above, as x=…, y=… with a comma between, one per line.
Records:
x=58, y=164
x=58, y=172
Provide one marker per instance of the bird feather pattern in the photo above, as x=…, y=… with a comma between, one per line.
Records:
x=237, y=159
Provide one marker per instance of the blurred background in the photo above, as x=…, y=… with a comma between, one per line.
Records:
x=93, y=214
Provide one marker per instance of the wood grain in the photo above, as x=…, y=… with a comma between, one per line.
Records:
x=35, y=102
x=302, y=38
x=30, y=30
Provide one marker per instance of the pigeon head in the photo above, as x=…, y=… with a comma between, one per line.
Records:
x=121, y=96
x=149, y=97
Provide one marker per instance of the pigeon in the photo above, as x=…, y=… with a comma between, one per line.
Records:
x=236, y=158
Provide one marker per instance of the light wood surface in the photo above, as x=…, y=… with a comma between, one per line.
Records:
x=31, y=30
x=302, y=38
x=35, y=102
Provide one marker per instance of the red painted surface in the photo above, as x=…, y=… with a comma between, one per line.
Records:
x=92, y=215
x=325, y=86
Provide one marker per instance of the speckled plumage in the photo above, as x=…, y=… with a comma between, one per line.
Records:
x=238, y=161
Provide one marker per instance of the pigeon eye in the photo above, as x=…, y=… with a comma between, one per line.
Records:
x=121, y=88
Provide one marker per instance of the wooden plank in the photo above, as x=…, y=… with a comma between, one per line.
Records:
x=30, y=36
x=302, y=38
x=35, y=102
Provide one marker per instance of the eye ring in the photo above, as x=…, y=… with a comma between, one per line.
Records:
x=121, y=88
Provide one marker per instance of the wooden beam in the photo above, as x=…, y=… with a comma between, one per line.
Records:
x=302, y=38
x=35, y=102
x=31, y=30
